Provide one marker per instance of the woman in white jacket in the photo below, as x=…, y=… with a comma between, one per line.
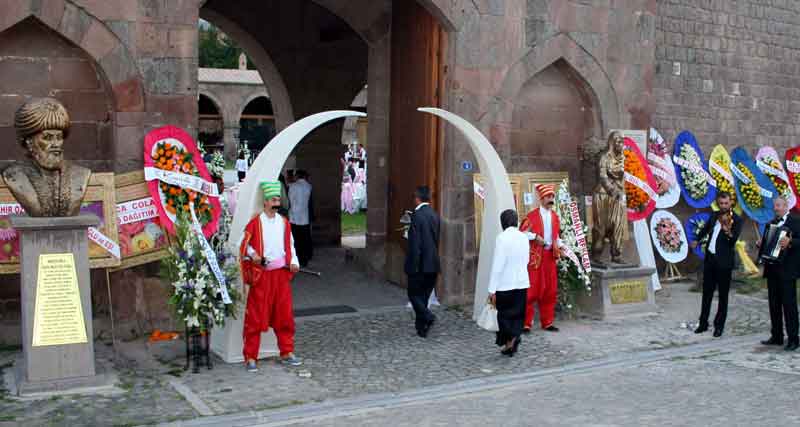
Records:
x=509, y=283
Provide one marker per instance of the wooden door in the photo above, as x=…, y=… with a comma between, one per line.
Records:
x=417, y=44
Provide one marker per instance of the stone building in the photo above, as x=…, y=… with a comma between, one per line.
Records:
x=544, y=79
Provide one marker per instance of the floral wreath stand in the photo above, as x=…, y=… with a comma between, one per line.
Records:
x=197, y=347
x=672, y=274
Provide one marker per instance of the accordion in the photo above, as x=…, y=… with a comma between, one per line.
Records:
x=770, y=250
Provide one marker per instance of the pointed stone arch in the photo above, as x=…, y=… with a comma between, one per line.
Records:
x=281, y=102
x=585, y=66
x=93, y=36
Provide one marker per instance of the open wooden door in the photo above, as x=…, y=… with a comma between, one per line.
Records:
x=417, y=75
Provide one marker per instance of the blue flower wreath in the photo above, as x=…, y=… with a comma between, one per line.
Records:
x=766, y=212
x=687, y=137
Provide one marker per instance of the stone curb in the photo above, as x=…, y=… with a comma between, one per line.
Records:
x=363, y=404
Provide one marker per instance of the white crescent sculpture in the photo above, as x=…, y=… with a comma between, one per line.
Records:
x=227, y=343
x=268, y=165
x=499, y=197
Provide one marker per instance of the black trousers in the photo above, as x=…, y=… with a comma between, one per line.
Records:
x=241, y=175
x=782, y=306
x=302, y=243
x=510, y=314
x=719, y=279
x=420, y=286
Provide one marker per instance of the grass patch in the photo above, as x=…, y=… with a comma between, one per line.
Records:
x=749, y=285
x=354, y=224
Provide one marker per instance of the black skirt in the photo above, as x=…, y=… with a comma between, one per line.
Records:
x=510, y=314
x=241, y=175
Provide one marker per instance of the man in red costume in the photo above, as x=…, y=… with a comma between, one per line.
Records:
x=542, y=226
x=269, y=262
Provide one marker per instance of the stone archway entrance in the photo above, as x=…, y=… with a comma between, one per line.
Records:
x=324, y=51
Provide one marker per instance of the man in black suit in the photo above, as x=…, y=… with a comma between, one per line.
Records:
x=422, y=259
x=781, y=277
x=723, y=228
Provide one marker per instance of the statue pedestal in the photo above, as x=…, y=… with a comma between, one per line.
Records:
x=619, y=291
x=227, y=342
x=57, y=335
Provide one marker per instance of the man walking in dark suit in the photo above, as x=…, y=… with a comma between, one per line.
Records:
x=422, y=259
x=781, y=277
x=724, y=228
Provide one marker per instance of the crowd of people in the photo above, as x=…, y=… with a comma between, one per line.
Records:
x=354, y=179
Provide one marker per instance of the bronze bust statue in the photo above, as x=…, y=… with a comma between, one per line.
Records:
x=45, y=185
x=609, y=209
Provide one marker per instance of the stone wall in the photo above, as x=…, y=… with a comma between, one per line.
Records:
x=602, y=54
x=122, y=67
x=36, y=61
x=728, y=71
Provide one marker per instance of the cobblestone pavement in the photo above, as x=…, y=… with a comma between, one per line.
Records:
x=374, y=352
x=704, y=390
x=342, y=284
x=144, y=396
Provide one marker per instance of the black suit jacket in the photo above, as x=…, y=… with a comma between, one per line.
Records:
x=788, y=267
x=423, y=242
x=726, y=245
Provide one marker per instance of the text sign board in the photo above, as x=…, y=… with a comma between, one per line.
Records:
x=58, y=313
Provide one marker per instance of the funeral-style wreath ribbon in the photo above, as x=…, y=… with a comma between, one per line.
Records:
x=184, y=171
x=211, y=257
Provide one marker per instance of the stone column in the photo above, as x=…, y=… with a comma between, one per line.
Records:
x=47, y=366
x=231, y=140
x=378, y=151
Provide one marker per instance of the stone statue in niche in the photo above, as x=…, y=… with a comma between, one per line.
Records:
x=609, y=210
x=45, y=184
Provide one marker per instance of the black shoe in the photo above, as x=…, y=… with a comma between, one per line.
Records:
x=516, y=346
x=509, y=351
x=526, y=330
x=772, y=341
x=422, y=333
x=792, y=346
x=701, y=329
x=551, y=328
x=717, y=333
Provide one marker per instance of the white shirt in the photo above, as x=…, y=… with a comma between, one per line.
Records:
x=510, y=264
x=783, y=219
x=241, y=165
x=712, y=245
x=547, y=222
x=272, y=234
x=299, y=195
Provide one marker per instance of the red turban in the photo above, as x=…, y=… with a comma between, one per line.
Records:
x=545, y=190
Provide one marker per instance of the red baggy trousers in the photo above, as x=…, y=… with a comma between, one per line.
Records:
x=269, y=305
x=543, y=290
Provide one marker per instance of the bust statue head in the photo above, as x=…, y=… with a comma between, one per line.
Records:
x=47, y=185
x=41, y=125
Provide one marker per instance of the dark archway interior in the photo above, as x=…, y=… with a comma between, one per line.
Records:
x=322, y=62
x=257, y=124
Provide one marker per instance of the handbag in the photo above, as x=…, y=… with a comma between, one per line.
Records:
x=488, y=318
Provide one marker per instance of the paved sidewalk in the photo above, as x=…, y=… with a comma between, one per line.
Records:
x=681, y=388
x=372, y=352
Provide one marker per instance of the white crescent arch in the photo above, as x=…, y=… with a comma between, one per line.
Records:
x=268, y=165
x=499, y=197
